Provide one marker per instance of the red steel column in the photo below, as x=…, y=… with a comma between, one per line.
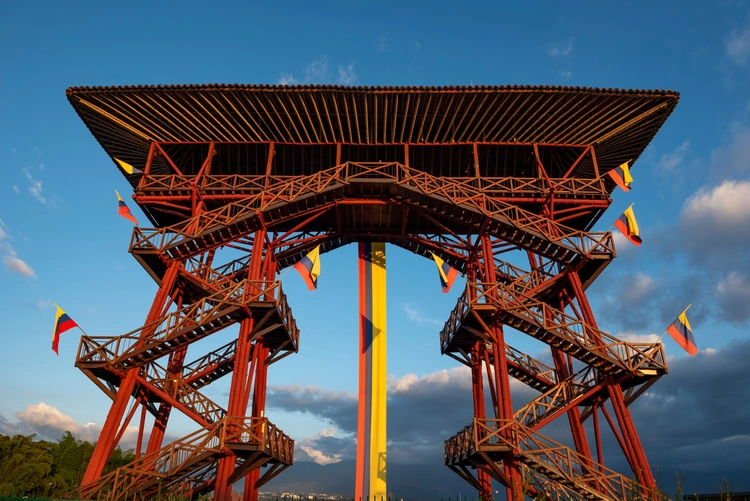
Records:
x=478, y=354
x=502, y=383
x=258, y=410
x=237, y=406
x=107, y=439
x=477, y=388
x=637, y=457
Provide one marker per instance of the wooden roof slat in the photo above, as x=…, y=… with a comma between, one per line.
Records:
x=620, y=122
x=245, y=116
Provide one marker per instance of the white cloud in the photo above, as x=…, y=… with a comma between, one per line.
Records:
x=15, y=188
x=565, y=74
x=48, y=422
x=728, y=204
x=457, y=376
x=40, y=305
x=35, y=187
x=669, y=161
x=382, y=43
x=17, y=265
x=734, y=284
x=642, y=285
x=620, y=241
x=317, y=71
x=561, y=50
x=632, y=337
x=11, y=260
x=347, y=75
x=288, y=79
x=737, y=46
x=319, y=456
x=415, y=315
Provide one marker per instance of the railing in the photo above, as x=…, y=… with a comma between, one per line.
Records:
x=288, y=189
x=178, y=389
x=197, y=450
x=237, y=185
x=271, y=440
x=545, y=406
x=201, y=366
x=162, y=464
x=632, y=357
x=530, y=365
x=117, y=350
x=542, y=454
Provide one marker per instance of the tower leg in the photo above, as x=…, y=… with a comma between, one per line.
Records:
x=502, y=382
x=635, y=454
x=260, y=358
x=477, y=387
x=371, y=428
x=107, y=439
x=237, y=406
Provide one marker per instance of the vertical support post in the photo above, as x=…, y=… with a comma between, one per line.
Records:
x=475, y=149
x=502, y=383
x=371, y=423
x=237, y=406
x=478, y=356
x=597, y=434
x=140, y=432
x=477, y=390
x=260, y=363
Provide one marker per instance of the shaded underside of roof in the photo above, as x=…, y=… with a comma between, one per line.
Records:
x=619, y=123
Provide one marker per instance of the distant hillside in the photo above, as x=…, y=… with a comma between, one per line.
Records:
x=434, y=482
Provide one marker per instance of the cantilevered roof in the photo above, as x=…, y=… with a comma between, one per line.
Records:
x=619, y=123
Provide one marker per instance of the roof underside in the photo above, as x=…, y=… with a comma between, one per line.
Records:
x=619, y=123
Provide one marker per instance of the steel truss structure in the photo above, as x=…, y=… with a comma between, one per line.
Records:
x=475, y=175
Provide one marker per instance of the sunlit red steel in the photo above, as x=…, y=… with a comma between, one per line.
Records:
x=272, y=172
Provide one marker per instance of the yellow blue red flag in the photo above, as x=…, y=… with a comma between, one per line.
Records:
x=447, y=273
x=62, y=323
x=309, y=268
x=621, y=176
x=127, y=167
x=123, y=210
x=629, y=227
x=682, y=333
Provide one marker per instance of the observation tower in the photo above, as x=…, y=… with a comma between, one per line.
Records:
x=479, y=176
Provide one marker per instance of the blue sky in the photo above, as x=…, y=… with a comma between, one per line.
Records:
x=61, y=239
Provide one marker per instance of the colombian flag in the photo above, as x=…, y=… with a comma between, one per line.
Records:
x=124, y=211
x=127, y=167
x=682, y=333
x=622, y=176
x=309, y=268
x=62, y=323
x=629, y=227
x=447, y=273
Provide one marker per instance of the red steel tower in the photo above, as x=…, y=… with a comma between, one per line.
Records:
x=476, y=175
